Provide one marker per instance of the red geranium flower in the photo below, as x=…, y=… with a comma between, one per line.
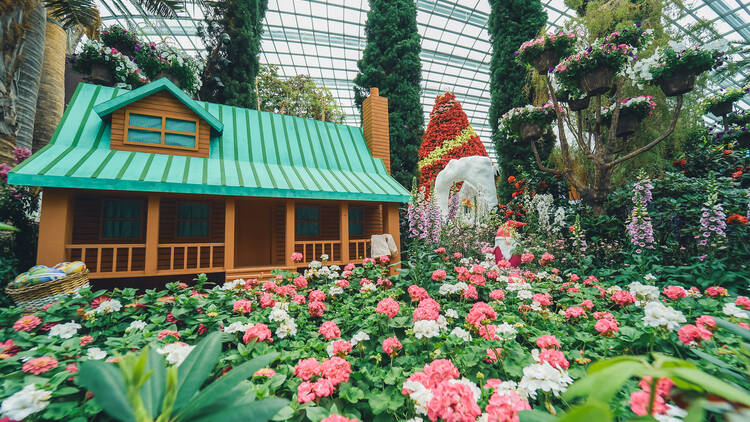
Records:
x=737, y=219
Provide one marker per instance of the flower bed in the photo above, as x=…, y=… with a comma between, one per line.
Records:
x=470, y=339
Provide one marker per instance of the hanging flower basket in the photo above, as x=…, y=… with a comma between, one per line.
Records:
x=678, y=85
x=579, y=104
x=529, y=131
x=545, y=61
x=101, y=74
x=722, y=109
x=627, y=124
x=598, y=81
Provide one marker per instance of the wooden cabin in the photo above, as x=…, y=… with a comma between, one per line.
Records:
x=150, y=182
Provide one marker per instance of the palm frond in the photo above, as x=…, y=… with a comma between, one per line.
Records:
x=72, y=13
x=163, y=8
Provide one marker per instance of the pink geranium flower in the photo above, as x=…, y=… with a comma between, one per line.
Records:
x=388, y=306
x=439, y=275
x=481, y=313
x=391, y=346
x=316, y=296
x=329, y=330
x=296, y=257
x=258, y=332
x=438, y=371
x=453, y=402
x=574, y=312
x=300, y=282
x=706, y=322
x=265, y=372
x=243, y=306
x=316, y=308
x=743, y=302
x=497, y=294
x=547, y=341
x=504, y=407
x=692, y=335
x=493, y=354
x=715, y=291
x=338, y=418
x=336, y=369
x=341, y=348
x=606, y=327
x=554, y=357
x=86, y=340
x=623, y=298
x=27, y=323
x=164, y=333
x=40, y=365
x=307, y=369
x=417, y=293
x=674, y=292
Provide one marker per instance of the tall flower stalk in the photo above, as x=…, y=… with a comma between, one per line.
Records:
x=713, y=219
x=639, y=226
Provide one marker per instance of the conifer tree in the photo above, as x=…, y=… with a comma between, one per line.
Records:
x=232, y=36
x=391, y=63
x=511, y=23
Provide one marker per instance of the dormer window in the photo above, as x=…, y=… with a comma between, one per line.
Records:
x=161, y=130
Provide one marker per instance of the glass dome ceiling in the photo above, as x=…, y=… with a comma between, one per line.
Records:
x=325, y=38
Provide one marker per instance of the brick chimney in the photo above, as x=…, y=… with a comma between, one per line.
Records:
x=375, y=126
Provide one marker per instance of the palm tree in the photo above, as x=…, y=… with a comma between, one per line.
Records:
x=28, y=45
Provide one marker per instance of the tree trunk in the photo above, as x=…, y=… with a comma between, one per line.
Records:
x=50, y=103
x=28, y=79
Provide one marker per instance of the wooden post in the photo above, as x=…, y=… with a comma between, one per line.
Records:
x=344, y=231
x=229, y=222
x=289, y=232
x=55, y=226
x=392, y=226
x=152, y=234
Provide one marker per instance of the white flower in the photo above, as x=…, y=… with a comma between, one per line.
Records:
x=109, y=306
x=66, y=330
x=284, y=306
x=230, y=285
x=359, y=337
x=506, y=387
x=368, y=287
x=176, y=352
x=420, y=394
x=335, y=291
x=525, y=294
x=324, y=257
x=643, y=293
x=461, y=333
x=442, y=322
x=96, y=353
x=287, y=328
x=505, y=331
x=415, y=419
x=734, y=311
x=543, y=377
x=315, y=264
x=674, y=414
x=426, y=329
x=649, y=277
x=24, y=403
x=517, y=285
x=237, y=327
x=451, y=313
x=135, y=325
x=278, y=315
x=656, y=314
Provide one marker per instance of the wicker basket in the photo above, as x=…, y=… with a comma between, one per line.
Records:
x=33, y=298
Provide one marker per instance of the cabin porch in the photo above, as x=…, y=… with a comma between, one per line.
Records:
x=119, y=234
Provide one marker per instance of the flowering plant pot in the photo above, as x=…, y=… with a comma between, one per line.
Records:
x=545, y=52
x=598, y=82
x=722, y=109
x=627, y=124
x=529, y=131
x=677, y=85
x=720, y=104
x=578, y=104
x=100, y=74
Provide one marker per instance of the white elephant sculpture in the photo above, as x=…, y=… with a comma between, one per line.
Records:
x=478, y=175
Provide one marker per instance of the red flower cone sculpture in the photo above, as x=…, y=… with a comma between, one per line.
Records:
x=449, y=135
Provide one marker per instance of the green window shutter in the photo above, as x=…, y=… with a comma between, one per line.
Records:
x=193, y=219
x=307, y=221
x=121, y=219
x=356, y=221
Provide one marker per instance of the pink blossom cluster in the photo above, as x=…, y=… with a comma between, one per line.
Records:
x=481, y=314
x=623, y=298
x=427, y=310
x=243, y=306
x=320, y=379
x=674, y=292
x=259, y=333
x=450, y=401
x=640, y=400
x=329, y=330
x=574, y=312
x=417, y=293
x=504, y=406
x=388, y=306
x=391, y=346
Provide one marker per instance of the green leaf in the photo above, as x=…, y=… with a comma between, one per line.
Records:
x=591, y=411
x=736, y=329
x=196, y=367
x=606, y=382
x=219, y=393
x=598, y=366
x=379, y=402
x=106, y=382
x=256, y=411
x=284, y=414
x=535, y=415
x=317, y=413
x=350, y=393
x=8, y=227
x=152, y=392
x=712, y=384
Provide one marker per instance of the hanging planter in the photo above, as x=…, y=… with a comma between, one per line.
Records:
x=545, y=61
x=598, y=81
x=579, y=104
x=627, y=124
x=678, y=85
x=722, y=109
x=101, y=74
x=529, y=131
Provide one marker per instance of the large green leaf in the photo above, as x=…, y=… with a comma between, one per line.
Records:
x=606, y=382
x=8, y=227
x=196, y=367
x=591, y=411
x=257, y=411
x=106, y=382
x=535, y=415
x=215, y=395
x=712, y=384
x=736, y=329
x=152, y=391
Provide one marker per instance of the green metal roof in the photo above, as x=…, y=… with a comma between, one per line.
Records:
x=257, y=154
x=106, y=108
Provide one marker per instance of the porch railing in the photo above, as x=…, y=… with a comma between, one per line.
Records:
x=359, y=250
x=113, y=260
x=180, y=257
x=311, y=250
